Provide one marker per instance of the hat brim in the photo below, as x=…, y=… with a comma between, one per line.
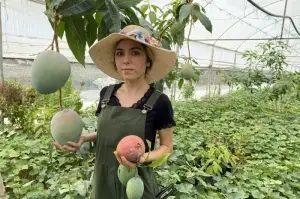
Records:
x=102, y=54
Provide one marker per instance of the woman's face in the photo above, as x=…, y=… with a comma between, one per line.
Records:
x=130, y=59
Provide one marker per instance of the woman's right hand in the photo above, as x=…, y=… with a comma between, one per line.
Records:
x=71, y=146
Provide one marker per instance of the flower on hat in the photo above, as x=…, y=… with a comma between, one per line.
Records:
x=139, y=35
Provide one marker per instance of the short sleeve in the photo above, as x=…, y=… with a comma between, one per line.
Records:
x=164, y=113
x=102, y=92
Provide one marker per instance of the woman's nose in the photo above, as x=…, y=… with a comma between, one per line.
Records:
x=126, y=59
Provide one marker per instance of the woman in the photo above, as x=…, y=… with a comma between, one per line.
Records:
x=132, y=107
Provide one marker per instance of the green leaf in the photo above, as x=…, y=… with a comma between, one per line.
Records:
x=122, y=4
x=180, y=83
x=177, y=10
x=145, y=24
x=132, y=16
x=185, y=11
x=28, y=183
x=98, y=18
x=165, y=43
x=257, y=194
x=54, y=4
x=91, y=30
x=103, y=30
x=76, y=38
x=112, y=17
x=202, y=18
x=74, y=7
x=184, y=187
x=144, y=8
x=177, y=32
x=148, y=143
x=13, y=154
x=152, y=17
x=61, y=29
x=160, y=161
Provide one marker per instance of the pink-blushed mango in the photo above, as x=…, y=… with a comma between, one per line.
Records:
x=131, y=147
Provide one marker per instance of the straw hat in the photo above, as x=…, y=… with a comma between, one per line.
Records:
x=163, y=60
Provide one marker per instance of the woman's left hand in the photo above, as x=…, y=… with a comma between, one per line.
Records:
x=122, y=160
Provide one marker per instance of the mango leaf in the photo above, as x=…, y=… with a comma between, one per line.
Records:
x=74, y=7
x=160, y=161
x=155, y=8
x=185, y=11
x=146, y=25
x=55, y=4
x=131, y=14
x=60, y=28
x=177, y=32
x=103, y=30
x=144, y=8
x=122, y=4
x=202, y=18
x=112, y=16
x=91, y=30
x=177, y=10
x=99, y=6
x=152, y=17
x=98, y=18
x=76, y=38
x=165, y=43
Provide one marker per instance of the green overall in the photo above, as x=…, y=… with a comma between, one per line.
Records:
x=114, y=123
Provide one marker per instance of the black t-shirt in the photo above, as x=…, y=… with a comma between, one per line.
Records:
x=160, y=117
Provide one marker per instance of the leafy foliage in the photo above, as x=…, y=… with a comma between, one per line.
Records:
x=236, y=146
x=27, y=110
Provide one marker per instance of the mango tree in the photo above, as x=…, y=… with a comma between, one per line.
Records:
x=86, y=21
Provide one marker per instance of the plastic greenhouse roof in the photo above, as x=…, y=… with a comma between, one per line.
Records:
x=237, y=26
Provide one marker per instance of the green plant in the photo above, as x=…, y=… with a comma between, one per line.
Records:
x=188, y=91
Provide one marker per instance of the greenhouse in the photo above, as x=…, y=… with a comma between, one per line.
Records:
x=219, y=99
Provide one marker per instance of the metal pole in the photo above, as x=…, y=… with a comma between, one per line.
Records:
x=1, y=54
x=283, y=18
x=1, y=70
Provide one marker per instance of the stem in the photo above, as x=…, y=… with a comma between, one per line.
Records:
x=188, y=39
x=149, y=6
x=55, y=39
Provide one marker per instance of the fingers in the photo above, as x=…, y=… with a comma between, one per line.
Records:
x=65, y=148
x=117, y=157
x=68, y=148
x=58, y=146
x=127, y=163
x=73, y=144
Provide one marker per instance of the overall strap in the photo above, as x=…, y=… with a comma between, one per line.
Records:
x=108, y=94
x=152, y=99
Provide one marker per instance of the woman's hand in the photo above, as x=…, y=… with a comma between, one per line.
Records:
x=71, y=146
x=122, y=160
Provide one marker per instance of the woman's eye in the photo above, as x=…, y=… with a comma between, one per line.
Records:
x=136, y=53
x=119, y=53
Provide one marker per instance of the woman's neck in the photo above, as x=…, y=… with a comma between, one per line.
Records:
x=132, y=88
